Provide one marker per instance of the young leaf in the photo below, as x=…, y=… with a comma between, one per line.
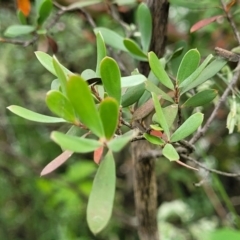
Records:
x=170, y=152
x=160, y=115
x=33, y=116
x=188, y=65
x=75, y=144
x=44, y=11
x=81, y=98
x=118, y=143
x=201, y=98
x=88, y=74
x=111, y=38
x=159, y=71
x=101, y=51
x=144, y=21
x=111, y=78
x=134, y=49
x=188, y=127
x=153, y=139
x=133, y=80
x=47, y=62
x=100, y=203
x=56, y=163
x=24, y=6
x=60, y=74
x=60, y=105
x=109, y=112
x=213, y=68
x=18, y=30
x=132, y=95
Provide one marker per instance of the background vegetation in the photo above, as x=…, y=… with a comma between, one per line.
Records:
x=54, y=207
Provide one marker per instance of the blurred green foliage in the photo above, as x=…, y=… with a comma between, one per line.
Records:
x=55, y=207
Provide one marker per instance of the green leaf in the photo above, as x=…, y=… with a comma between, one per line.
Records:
x=153, y=139
x=21, y=17
x=80, y=96
x=111, y=78
x=159, y=71
x=160, y=116
x=151, y=87
x=18, y=30
x=60, y=74
x=170, y=152
x=100, y=203
x=201, y=98
x=188, y=65
x=33, y=116
x=170, y=113
x=55, y=84
x=60, y=105
x=133, y=80
x=75, y=144
x=188, y=127
x=88, y=74
x=144, y=21
x=118, y=143
x=47, y=62
x=101, y=51
x=134, y=48
x=213, y=68
x=44, y=11
x=81, y=4
x=109, y=112
x=111, y=38
x=132, y=95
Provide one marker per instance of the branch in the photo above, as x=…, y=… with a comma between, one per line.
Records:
x=209, y=169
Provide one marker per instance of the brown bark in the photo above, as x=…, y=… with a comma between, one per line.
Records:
x=145, y=187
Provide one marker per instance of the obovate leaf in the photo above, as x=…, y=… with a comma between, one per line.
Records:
x=44, y=10
x=88, y=74
x=60, y=74
x=47, y=62
x=33, y=116
x=101, y=198
x=81, y=99
x=109, y=112
x=118, y=143
x=75, y=144
x=188, y=65
x=101, y=51
x=61, y=106
x=133, y=80
x=213, y=68
x=159, y=71
x=160, y=115
x=18, y=30
x=111, y=38
x=201, y=98
x=153, y=139
x=111, y=78
x=188, y=127
x=134, y=49
x=170, y=152
x=144, y=21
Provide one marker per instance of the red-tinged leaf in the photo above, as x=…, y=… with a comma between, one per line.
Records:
x=53, y=45
x=156, y=133
x=229, y=5
x=24, y=6
x=204, y=22
x=97, y=156
x=57, y=162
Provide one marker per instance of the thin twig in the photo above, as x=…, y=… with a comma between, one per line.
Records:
x=209, y=169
